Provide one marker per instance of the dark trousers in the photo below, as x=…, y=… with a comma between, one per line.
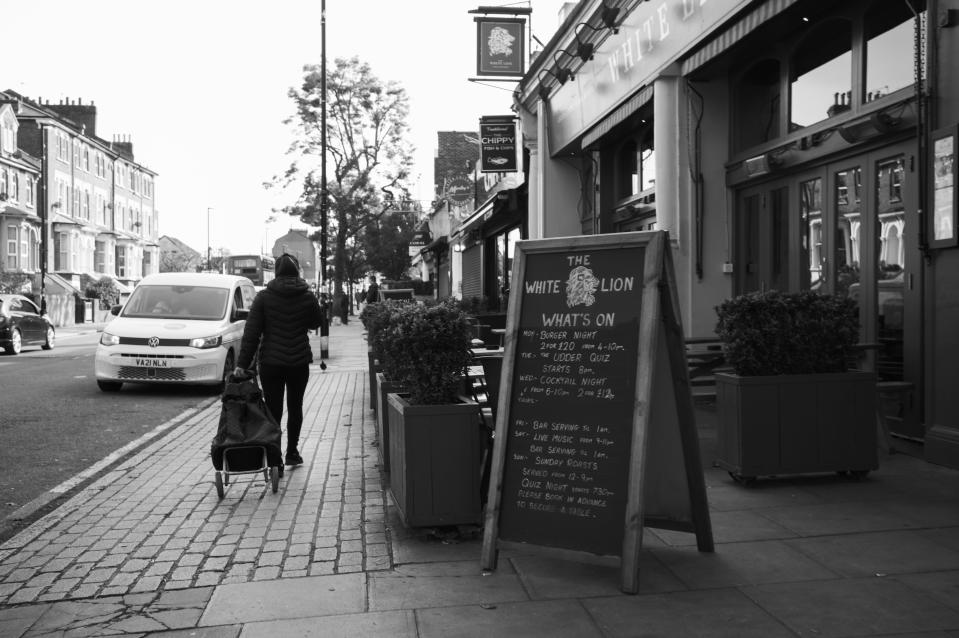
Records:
x=291, y=379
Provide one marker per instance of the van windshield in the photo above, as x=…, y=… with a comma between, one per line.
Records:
x=177, y=302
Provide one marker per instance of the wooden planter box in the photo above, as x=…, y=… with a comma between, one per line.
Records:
x=373, y=367
x=435, y=462
x=383, y=388
x=796, y=424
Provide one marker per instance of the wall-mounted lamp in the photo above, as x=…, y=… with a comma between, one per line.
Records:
x=609, y=16
x=458, y=247
x=562, y=75
x=543, y=93
x=584, y=49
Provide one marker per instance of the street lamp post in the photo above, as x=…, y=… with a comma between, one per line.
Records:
x=324, y=329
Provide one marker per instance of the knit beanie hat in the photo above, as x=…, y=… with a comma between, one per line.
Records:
x=287, y=266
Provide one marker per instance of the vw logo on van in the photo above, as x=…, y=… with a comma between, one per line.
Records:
x=153, y=342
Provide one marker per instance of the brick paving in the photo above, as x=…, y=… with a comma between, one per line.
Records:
x=154, y=521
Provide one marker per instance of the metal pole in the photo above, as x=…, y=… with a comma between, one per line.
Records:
x=44, y=172
x=325, y=334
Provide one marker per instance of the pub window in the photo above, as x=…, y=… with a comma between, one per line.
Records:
x=647, y=164
x=890, y=36
x=821, y=74
x=757, y=104
x=627, y=170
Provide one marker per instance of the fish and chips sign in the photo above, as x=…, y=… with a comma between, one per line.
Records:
x=500, y=47
x=499, y=144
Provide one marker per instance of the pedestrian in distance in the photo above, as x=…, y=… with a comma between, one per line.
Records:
x=345, y=308
x=373, y=292
x=277, y=333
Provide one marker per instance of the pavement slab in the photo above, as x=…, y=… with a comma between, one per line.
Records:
x=721, y=613
x=853, y=607
x=545, y=619
x=378, y=624
x=286, y=598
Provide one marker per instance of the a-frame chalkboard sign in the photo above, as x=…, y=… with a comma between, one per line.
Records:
x=595, y=431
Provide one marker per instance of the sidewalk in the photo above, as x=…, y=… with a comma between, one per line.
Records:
x=148, y=549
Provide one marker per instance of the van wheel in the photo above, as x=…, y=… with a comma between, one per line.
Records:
x=109, y=386
x=228, y=365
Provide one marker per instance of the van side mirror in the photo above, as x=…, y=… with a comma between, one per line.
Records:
x=241, y=314
x=115, y=310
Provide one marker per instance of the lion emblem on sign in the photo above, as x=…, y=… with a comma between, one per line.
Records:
x=500, y=41
x=581, y=287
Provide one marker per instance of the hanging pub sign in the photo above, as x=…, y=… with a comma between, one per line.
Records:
x=499, y=144
x=500, y=47
x=595, y=433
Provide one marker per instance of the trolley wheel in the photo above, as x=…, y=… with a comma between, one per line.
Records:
x=218, y=481
x=742, y=480
x=275, y=478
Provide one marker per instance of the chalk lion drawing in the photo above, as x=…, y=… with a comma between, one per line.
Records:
x=500, y=41
x=581, y=287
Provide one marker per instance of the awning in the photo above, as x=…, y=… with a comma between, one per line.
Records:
x=735, y=33
x=437, y=245
x=623, y=111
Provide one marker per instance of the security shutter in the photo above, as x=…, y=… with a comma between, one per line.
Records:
x=473, y=272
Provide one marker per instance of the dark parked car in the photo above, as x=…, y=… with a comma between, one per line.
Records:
x=21, y=324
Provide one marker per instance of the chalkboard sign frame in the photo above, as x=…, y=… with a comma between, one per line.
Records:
x=664, y=445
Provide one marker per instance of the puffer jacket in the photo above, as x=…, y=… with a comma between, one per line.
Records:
x=280, y=317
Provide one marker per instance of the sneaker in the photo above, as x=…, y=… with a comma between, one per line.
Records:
x=293, y=458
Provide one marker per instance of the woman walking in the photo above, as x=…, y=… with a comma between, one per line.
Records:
x=277, y=332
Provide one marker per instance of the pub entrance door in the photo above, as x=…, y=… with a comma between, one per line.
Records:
x=848, y=228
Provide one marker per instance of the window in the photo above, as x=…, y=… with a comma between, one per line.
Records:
x=9, y=137
x=86, y=205
x=3, y=182
x=821, y=74
x=29, y=195
x=12, y=241
x=86, y=159
x=810, y=211
x=889, y=32
x=15, y=186
x=757, y=96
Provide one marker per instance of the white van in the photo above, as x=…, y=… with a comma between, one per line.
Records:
x=175, y=328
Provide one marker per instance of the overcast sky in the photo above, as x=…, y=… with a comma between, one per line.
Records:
x=200, y=87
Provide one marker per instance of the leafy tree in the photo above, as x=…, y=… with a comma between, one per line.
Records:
x=367, y=155
x=175, y=261
x=387, y=242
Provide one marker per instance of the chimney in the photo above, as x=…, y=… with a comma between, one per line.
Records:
x=83, y=114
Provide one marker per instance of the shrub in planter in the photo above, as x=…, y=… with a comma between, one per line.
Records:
x=434, y=452
x=773, y=332
x=375, y=318
x=426, y=349
x=792, y=405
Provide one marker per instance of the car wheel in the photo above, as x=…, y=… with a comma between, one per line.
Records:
x=51, y=339
x=16, y=343
x=109, y=386
x=228, y=365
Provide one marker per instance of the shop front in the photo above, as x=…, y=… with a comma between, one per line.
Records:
x=783, y=144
